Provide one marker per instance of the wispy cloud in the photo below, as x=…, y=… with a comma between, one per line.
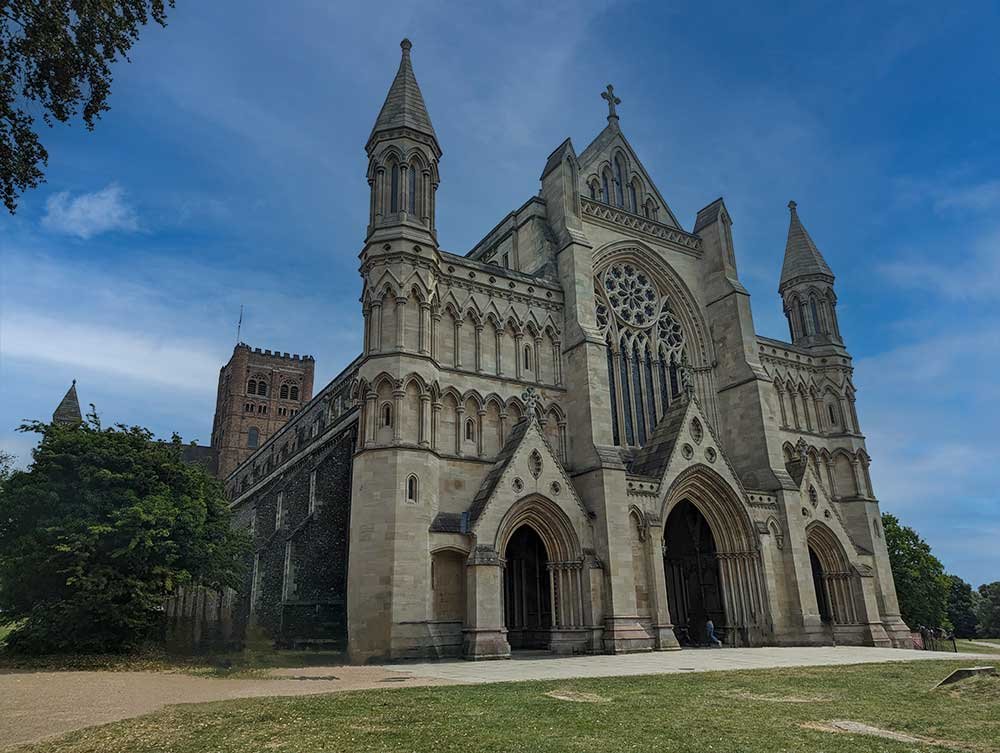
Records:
x=88, y=214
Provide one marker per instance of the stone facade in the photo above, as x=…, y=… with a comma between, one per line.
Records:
x=571, y=437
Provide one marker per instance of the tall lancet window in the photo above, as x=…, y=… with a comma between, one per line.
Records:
x=645, y=344
x=412, y=189
x=619, y=182
x=394, y=188
x=633, y=199
x=605, y=193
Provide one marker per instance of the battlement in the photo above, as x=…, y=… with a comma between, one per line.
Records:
x=274, y=353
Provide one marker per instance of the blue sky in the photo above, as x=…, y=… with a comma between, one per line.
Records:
x=231, y=169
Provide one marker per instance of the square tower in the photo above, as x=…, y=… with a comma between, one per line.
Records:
x=259, y=391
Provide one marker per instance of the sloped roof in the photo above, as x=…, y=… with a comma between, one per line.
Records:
x=404, y=104
x=652, y=458
x=802, y=257
x=68, y=411
x=499, y=466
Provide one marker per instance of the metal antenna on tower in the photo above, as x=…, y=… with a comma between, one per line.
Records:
x=239, y=325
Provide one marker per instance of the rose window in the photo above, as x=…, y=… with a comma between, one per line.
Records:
x=631, y=295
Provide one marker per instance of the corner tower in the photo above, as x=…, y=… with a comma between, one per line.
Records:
x=806, y=289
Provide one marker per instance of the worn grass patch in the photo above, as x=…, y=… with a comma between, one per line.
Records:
x=718, y=711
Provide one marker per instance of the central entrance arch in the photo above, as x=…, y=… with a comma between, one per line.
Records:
x=691, y=567
x=527, y=591
x=712, y=563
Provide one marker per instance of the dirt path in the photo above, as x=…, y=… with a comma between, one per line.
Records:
x=35, y=705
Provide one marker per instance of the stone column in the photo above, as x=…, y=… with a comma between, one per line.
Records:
x=557, y=361
x=484, y=635
x=538, y=358
x=460, y=433
x=498, y=333
x=479, y=431
x=425, y=326
x=377, y=325
x=397, y=409
x=371, y=421
x=663, y=628
x=425, y=420
x=458, y=342
x=435, y=423
x=479, y=348
x=400, y=322
x=435, y=331
x=518, y=355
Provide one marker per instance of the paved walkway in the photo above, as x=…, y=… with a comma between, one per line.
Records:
x=34, y=705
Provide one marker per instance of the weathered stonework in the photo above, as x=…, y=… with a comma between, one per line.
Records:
x=571, y=437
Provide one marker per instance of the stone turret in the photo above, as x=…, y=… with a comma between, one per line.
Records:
x=403, y=154
x=806, y=288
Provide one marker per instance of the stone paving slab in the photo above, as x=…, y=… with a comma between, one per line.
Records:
x=545, y=667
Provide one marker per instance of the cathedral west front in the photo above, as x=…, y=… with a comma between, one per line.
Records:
x=569, y=438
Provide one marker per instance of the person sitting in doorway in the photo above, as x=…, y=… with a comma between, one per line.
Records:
x=713, y=639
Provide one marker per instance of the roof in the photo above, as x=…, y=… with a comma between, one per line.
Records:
x=802, y=257
x=499, y=466
x=68, y=411
x=652, y=458
x=404, y=104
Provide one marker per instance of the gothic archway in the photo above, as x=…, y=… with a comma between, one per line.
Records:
x=835, y=583
x=542, y=580
x=726, y=535
x=691, y=568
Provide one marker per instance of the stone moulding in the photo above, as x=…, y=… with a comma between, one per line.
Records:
x=635, y=223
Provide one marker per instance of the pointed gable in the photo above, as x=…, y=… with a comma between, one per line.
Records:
x=515, y=462
x=602, y=150
x=68, y=411
x=802, y=257
x=404, y=104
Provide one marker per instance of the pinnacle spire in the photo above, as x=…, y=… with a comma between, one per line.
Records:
x=68, y=411
x=404, y=104
x=802, y=257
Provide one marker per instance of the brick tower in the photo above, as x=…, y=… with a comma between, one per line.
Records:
x=259, y=390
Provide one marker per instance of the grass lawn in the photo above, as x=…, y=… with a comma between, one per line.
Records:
x=725, y=712
x=977, y=648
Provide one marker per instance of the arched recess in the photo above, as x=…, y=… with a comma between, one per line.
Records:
x=640, y=570
x=531, y=518
x=736, y=550
x=836, y=584
x=448, y=584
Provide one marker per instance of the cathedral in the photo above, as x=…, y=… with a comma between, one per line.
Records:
x=569, y=438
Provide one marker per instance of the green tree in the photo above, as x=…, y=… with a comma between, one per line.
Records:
x=56, y=58
x=921, y=584
x=989, y=610
x=99, y=530
x=962, y=603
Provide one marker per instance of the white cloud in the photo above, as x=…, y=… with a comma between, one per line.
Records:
x=89, y=214
x=112, y=351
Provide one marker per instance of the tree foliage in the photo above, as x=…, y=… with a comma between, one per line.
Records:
x=989, y=610
x=921, y=583
x=56, y=56
x=962, y=604
x=99, y=530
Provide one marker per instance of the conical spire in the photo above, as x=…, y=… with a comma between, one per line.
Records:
x=404, y=104
x=68, y=411
x=802, y=258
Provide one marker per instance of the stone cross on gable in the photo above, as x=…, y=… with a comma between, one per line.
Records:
x=612, y=100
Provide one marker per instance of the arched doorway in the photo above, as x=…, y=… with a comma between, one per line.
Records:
x=691, y=567
x=527, y=591
x=819, y=585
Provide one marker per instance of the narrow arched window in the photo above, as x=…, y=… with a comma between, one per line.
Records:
x=606, y=193
x=412, y=198
x=394, y=188
x=252, y=387
x=262, y=389
x=527, y=358
x=833, y=415
x=470, y=430
x=283, y=392
x=387, y=415
x=815, y=315
x=634, y=199
x=411, y=489
x=295, y=392
x=253, y=437
x=593, y=191
x=619, y=181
